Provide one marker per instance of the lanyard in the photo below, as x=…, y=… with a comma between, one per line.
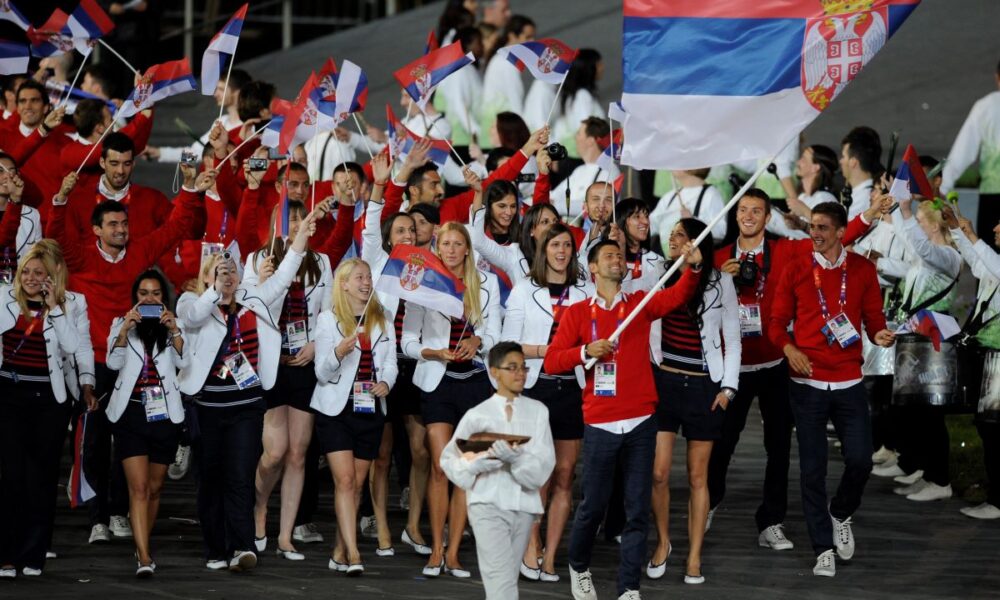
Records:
x=593, y=321
x=819, y=288
x=225, y=224
x=237, y=332
x=145, y=365
x=558, y=308
x=636, y=268
x=761, y=276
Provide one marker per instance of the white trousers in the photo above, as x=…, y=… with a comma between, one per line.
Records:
x=501, y=539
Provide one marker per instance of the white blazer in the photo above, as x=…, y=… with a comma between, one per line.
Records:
x=720, y=323
x=78, y=370
x=335, y=378
x=509, y=259
x=319, y=293
x=205, y=325
x=373, y=253
x=128, y=362
x=29, y=230
x=528, y=319
x=425, y=328
x=61, y=337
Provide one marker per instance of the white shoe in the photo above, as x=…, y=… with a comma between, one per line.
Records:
x=458, y=573
x=657, y=571
x=931, y=491
x=882, y=455
x=630, y=595
x=242, y=561
x=983, y=511
x=913, y=488
x=29, y=572
x=618, y=540
x=546, y=577
x=694, y=579
x=826, y=565
x=530, y=573
x=260, y=543
x=888, y=471
x=421, y=549
x=355, y=570
x=385, y=552
x=145, y=571
x=843, y=538
x=120, y=527
x=430, y=571
x=337, y=566
x=290, y=554
x=216, y=565
x=49, y=555
x=99, y=534
x=582, y=585
x=404, y=499
x=774, y=538
x=911, y=478
x=307, y=533
x=181, y=464
x=368, y=526
x=8, y=573
x=708, y=521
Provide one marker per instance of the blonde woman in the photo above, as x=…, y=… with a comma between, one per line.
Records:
x=355, y=370
x=235, y=345
x=451, y=374
x=38, y=335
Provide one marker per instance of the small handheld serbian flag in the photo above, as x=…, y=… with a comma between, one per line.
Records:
x=80, y=489
x=308, y=115
x=546, y=59
x=158, y=83
x=401, y=140
x=326, y=79
x=432, y=42
x=14, y=58
x=221, y=47
x=934, y=325
x=422, y=76
x=62, y=33
x=611, y=145
x=352, y=90
x=910, y=178
x=9, y=12
x=418, y=276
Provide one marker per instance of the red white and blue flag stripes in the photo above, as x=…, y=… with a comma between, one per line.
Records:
x=352, y=90
x=14, y=58
x=63, y=33
x=418, y=276
x=158, y=83
x=422, y=76
x=910, y=178
x=547, y=59
x=9, y=12
x=220, y=48
x=710, y=83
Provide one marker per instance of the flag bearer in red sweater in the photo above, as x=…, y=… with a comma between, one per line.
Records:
x=619, y=400
x=829, y=293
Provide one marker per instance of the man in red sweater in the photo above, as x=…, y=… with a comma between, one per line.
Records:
x=618, y=400
x=830, y=294
x=764, y=372
x=43, y=166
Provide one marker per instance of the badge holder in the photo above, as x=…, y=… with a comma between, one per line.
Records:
x=605, y=383
x=840, y=329
x=155, y=403
x=295, y=336
x=750, y=321
x=364, y=400
x=241, y=370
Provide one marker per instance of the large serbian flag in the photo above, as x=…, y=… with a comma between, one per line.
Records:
x=709, y=83
x=418, y=276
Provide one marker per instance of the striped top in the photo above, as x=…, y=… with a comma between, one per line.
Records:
x=681, y=342
x=294, y=309
x=558, y=294
x=460, y=330
x=27, y=355
x=398, y=326
x=220, y=386
x=366, y=366
x=148, y=377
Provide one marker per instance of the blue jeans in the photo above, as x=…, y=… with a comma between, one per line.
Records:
x=848, y=409
x=601, y=451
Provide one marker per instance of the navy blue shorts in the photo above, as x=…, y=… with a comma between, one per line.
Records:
x=686, y=405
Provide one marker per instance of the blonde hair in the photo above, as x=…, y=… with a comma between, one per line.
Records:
x=374, y=314
x=207, y=268
x=50, y=254
x=473, y=308
x=932, y=214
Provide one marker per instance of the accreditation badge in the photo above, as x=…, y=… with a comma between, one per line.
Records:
x=154, y=401
x=605, y=382
x=750, y=321
x=840, y=329
x=364, y=400
x=241, y=370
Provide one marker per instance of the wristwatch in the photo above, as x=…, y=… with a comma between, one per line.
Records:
x=729, y=392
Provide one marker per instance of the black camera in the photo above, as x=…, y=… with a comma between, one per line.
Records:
x=525, y=178
x=189, y=159
x=747, y=274
x=556, y=151
x=257, y=164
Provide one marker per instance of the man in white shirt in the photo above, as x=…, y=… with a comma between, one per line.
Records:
x=502, y=482
x=860, y=153
x=591, y=129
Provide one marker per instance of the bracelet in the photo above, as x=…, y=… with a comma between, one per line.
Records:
x=175, y=335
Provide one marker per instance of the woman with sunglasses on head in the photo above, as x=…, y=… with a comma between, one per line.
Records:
x=697, y=357
x=356, y=369
x=38, y=334
x=235, y=345
x=146, y=348
x=377, y=240
x=288, y=422
x=533, y=312
x=450, y=354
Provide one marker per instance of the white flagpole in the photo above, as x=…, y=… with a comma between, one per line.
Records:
x=607, y=181
x=555, y=101
x=427, y=134
x=677, y=263
x=120, y=57
x=94, y=147
x=69, y=90
x=358, y=125
x=225, y=90
x=243, y=143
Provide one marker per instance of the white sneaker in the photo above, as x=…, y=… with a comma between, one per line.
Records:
x=49, y=555
x=843, y=538
x=826, y=565
x=120, y=527
x=404, y=499
x=711, y=515
x=99, y=534
x=931, y=491
x=983, y=511
x=242, y=561
x=888, y=471
x=882, y=455
x=216, y=565
x=774, y=538
x=582, y=585
x=307, y=533
x=29, y=572
x=181, y=464
x=911, y=478
x=368, y=526
x=630, y=595
x=913, y=488
x=8, y=573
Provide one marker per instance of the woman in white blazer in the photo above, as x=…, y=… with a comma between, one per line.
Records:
x=235, y=346
x=21, y=224
x=377, y=239
x=145, y=408
x=698, y=360
x=288, y=422
x=355, y=369
x=450, y=372
x=532, y=316
x=37, y=336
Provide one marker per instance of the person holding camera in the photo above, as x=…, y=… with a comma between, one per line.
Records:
x=146, y=348
x=235, y=348
x=571, y=192
x=38, y=334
